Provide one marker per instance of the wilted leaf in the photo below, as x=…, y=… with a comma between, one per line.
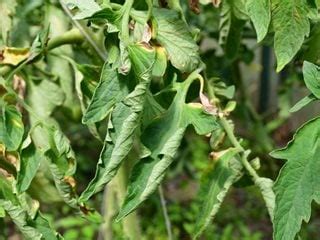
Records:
x=13, y=56
x=11, y=127
x=123, y=122
x=216, y=183
x=34, y=227
x=30, y=159
x=111, y=89
x=162, y=137
x=265, y=185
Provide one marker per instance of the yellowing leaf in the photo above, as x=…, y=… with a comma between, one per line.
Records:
x=14, y=56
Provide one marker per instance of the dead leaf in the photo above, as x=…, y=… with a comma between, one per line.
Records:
x=13, y=56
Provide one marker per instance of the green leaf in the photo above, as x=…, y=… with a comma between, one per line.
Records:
x=113, y=18
x=143, y=57
x=118, y=143
x=20, y=218
x=30, y=159
x=33, y=226
x=216, y=183
x=160, y=66
x=45, y=97
x=312, y=53
x=231, y=25
x=291, y=25
x=260, y=14
x=11, y=127
x=111, y=89
x=62, y=165
x=173, y=34
x=85, y=8
x=162, y=137
x=266, y=185
x=298, y=182
x=311, y=75
x=303, y=102
x=39, y=44
x=125, y=119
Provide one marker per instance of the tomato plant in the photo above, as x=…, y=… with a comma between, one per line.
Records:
x=139, y=88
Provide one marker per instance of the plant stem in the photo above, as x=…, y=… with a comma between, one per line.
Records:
x=109, y=208
x=131, y=222
x=243, y=158
x=227, y=127
x=73, y=36
x=92, y=42
x=125, y=21
x=165, y=213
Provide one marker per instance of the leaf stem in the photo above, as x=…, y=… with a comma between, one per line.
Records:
x=125, y=21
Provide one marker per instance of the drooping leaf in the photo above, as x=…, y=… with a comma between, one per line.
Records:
x=265, y=185
x=311, y=75
x=173, y=34
x=62, y=166
x=260, y=14
x=123, y=122
x=118, y=142
x=298, y=183
x=33, y=226
x=30, y=159
x=291, y=25
x=110, y=90
x=11, y=127
x=216, y=183
x=162, y=137
x=232, y=20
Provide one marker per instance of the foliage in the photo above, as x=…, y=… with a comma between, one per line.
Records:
x=155, y=87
